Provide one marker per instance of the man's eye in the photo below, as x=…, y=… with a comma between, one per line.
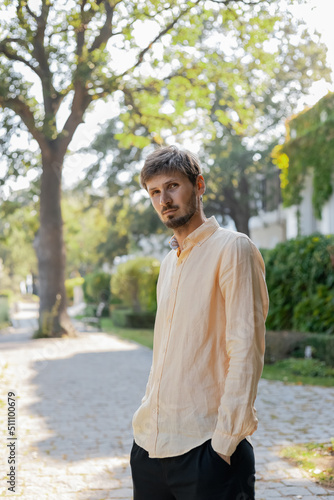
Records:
x=173, y=185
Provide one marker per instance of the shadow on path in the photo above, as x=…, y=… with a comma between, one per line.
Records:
x=88, y=400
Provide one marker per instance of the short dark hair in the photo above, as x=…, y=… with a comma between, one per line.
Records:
x=170, y=159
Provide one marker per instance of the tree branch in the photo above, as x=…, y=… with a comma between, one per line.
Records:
x=81, y=101
x=11, y=54
x=129, y=99
x=32, y=14
x=161, y=34
x=24, y=112
x=50, y=95
x=106, y=30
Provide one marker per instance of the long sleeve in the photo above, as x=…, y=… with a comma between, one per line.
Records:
x=242, y=282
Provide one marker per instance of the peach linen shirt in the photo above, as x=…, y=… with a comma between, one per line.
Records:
x=209, y=341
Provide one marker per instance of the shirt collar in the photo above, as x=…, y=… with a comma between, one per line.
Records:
x=197, y=237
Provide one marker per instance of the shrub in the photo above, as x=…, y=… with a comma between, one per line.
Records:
x=300, y=276
x=4, y=310
x=315, y=313
x=129, y=319
x=96, y=287
x=283, y=344
x=119, y=317
x=7, y=293
x=134, y=282
x=70, y=284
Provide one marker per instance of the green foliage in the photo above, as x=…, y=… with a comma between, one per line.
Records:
x=315, y=313
x=241, y=177
x=4, y=310
x=309, y=145
x=96, y=287
x=306, y=367
x=73, y=51
x=135, y=282
x=98, y=228
x=7, y=293
x=300, y=272
x=70, y=284
x=126, y=318
x=234, y=97
x=85, y=226
x=119, y=317
x=18, y=227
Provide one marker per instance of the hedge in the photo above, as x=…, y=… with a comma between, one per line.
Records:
x=300, y=280
x=284, y=344
x=96, y=287
x=129, y=319
x=134, y=282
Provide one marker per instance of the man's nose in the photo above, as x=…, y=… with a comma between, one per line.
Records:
x=165, y=198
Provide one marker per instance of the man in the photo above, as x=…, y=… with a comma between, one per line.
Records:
x=191, y=432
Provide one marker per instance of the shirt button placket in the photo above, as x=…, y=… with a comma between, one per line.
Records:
x=174, y=284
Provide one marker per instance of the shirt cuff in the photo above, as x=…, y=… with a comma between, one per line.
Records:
x=224, y=444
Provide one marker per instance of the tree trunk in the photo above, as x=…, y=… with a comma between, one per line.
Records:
x=53, y=317
x=240, y=207
x=241, y=220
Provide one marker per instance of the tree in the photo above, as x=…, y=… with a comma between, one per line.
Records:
x=63, y=48
x=262, y=79
x=18, y=225
x=242, y=178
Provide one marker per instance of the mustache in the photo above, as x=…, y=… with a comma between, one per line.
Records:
x=174, y=207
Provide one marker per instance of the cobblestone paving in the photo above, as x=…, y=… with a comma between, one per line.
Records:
x=76, y=398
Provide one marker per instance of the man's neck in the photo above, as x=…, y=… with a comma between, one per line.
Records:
x=183, y=231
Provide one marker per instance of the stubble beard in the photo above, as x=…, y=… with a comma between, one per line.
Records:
x=191, y=208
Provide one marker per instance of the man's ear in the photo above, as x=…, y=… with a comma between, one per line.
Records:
x=200, y=183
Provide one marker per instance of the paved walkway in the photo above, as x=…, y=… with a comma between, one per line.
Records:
x=76, y=398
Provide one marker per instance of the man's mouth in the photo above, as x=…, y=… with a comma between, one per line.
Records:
x=167, y=212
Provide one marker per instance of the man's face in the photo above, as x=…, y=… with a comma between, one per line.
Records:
x=174, y=198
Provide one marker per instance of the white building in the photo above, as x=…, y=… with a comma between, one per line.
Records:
x=279, y=224
x=269, y=228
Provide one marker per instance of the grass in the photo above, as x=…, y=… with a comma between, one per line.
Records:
x=143, y=336
x=316, y=459
x=300, y=371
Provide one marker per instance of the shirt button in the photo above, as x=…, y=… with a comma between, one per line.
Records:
x=173, y=290
x=154, y=411
x=169, y=321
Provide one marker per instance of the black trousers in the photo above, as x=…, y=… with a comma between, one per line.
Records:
x=199, y=474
